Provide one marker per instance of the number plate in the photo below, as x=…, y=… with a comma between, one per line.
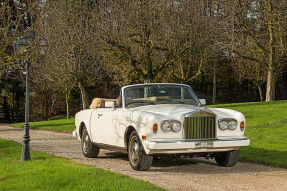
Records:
x=203, y=144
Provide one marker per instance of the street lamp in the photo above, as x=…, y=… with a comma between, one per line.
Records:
x=21, y=45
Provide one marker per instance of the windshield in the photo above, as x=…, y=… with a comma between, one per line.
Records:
x=159, y=94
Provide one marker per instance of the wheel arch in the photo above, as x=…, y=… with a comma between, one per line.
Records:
x=128, y=132
x=82, y=125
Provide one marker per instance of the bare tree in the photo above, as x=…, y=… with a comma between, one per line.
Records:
x=146, y=36
x=258, y=35
x=73, y=57
x=203, y=35
x=252, y=71
x=16, y=18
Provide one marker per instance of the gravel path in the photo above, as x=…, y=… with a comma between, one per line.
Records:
x=180, y=174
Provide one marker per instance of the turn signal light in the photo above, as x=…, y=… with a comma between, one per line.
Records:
x=242, y=125
x=155, y=127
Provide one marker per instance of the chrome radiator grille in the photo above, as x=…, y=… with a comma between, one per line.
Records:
x=203, y=127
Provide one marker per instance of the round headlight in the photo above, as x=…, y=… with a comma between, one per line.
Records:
x=175, y=126
x=232, y=125
x=223, y=125
x=166, y=126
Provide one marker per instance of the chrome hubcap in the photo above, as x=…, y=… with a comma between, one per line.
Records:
x=86, y=142
x=134, y=151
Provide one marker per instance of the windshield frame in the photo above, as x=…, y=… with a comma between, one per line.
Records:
x=149, y=101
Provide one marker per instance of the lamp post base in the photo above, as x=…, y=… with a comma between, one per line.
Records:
x=25, y=153
x=26, y=139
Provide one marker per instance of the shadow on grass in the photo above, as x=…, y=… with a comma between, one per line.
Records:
x=265, y=157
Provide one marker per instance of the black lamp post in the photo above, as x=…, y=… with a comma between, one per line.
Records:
x=21, y=45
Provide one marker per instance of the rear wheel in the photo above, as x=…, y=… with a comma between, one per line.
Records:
x=227, y=159
x=88, y=148
x=137, y=157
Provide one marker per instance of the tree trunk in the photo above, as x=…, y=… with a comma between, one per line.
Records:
x=84, y=97
x=68, y=103
x=68, y=108
x=283, y=84
x=46, y=109
x=260, y=92
x=17, y=97
x=148, y=79
x=270, y=90
x=13, y=108
x=214, y=81
x=6, y=109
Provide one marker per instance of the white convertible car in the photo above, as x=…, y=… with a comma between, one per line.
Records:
x=160, y=119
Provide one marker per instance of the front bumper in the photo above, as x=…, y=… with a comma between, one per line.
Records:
x=75, y=134
x=195, y=146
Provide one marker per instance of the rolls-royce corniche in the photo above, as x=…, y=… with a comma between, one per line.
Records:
x=159, y=119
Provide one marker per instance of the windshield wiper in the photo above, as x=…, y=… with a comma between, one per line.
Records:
x=180, y=102
x=171, y=101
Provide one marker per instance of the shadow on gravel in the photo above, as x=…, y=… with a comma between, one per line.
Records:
x=114, y=155
x=172, y=161
x=19, y=129
x=192, y=165
x=203, y=166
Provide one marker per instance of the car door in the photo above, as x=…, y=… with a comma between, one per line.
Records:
x=105, y=127
x=101, y=126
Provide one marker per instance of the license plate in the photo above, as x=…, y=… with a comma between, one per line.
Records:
x=203, y=144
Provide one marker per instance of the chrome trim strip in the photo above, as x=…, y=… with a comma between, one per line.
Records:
x=192, y=141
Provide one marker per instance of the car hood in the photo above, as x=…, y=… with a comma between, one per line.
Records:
x=172, y=110
x=176, y=111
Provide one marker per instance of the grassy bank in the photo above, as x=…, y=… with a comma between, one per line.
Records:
x=46, y=172
x=266, y=128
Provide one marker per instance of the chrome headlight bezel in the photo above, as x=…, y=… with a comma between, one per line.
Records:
x=171, y=126
x=166, y=126
x=224, y=124
x=232, y=125
x=176, y=126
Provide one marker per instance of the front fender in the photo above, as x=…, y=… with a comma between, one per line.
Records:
x=142, y=123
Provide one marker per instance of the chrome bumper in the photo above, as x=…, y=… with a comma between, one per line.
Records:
x=75, y=134
x=190, y=146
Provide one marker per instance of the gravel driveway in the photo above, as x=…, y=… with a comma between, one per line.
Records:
x=180, y=174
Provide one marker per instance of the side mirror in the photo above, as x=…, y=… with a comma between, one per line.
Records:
x=109, y=104
x=202, y=101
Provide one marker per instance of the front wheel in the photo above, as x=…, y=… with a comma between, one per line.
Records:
x=227, y=159
x=89, y=149
x=137, y=157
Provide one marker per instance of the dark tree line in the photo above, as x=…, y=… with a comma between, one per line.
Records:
x=98, y=46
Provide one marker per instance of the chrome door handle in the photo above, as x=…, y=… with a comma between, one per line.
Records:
x=100, y=114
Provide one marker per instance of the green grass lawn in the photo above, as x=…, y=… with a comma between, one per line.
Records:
x=266, y=127
x=46, y=172
x=59, y=125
